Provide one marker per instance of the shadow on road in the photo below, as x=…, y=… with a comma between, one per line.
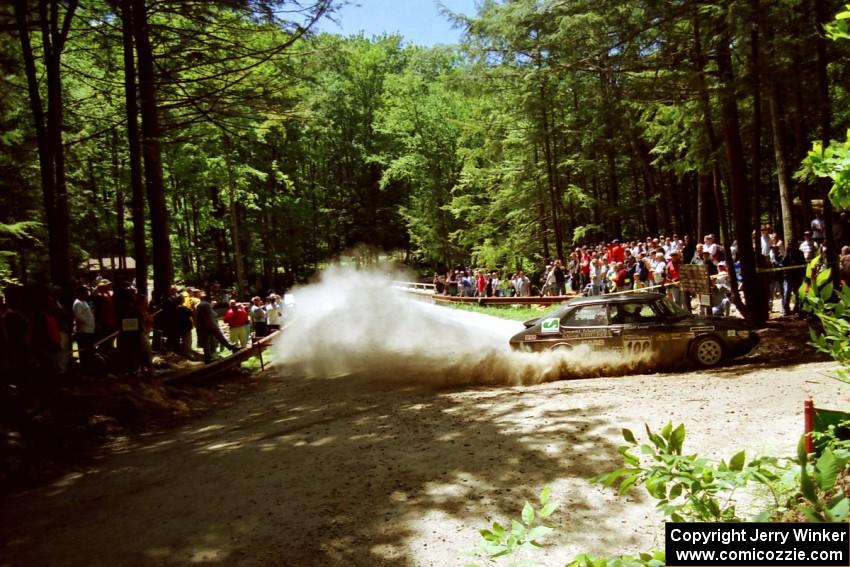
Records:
x=324, y=471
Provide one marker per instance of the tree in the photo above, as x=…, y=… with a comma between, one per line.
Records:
x=49, y=124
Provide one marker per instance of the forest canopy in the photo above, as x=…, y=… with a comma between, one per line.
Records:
x=227, y=140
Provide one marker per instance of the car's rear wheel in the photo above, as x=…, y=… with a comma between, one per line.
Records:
x=561, y=347
x=707, y=351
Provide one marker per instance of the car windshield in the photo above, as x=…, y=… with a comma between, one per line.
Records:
x=671, y=308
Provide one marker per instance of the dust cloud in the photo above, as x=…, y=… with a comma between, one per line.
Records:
x=354, y=324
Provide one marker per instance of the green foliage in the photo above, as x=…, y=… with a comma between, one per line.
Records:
x=653, y=559
x=508, y=543
x=832, y=308
x=687, y=487
x=832, y=162
x=840, y=28
x=822, y=499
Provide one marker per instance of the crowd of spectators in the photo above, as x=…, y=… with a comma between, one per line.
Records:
x=655, y=262
x=103, y=330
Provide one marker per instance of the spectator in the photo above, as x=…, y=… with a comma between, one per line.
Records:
x=480, y=284
x=808, y=246
x=522, y=285
x=688, y=249
x=259, y=319
x=208, y=330
x=439, y=284
x=642, y=272
x=106, y=320
x=548, y=280
x=237, y=320
x=793, y=278
x=624, y=278
x=84, y=326
x=496, y=284
x=184, y=323
x=673, y=277
x=844, y=264
x=659, y=269
x=616, y=252
x=452, y=283
x=274, y=308
x=596, y=275
x=709, y=245
x=560, y=278
x=584, y=269
x=818, y=228
x=764, y=241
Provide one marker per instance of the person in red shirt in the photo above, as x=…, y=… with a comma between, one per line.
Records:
x=616, y=252
x=237, y=319
x=481, y=283
x=673, y=277
x=625, y=278
x=584, y=268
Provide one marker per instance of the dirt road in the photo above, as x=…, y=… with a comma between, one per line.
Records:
x=322, y=471
x=393, y=458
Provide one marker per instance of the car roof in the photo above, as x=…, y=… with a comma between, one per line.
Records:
x=643, y=297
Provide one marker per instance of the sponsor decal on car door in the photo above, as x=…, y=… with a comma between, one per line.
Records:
x=550, y=326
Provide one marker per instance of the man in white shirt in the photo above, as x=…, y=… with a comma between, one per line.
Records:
x=84, y=329
x=764, y=240
x=708, y=245
x=808, y=246
x=275, y=312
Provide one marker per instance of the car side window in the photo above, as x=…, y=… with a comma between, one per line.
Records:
x=586, y=316
x=647, y=314
x=630, y=313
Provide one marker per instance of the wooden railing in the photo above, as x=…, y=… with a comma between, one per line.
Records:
x=429, y=289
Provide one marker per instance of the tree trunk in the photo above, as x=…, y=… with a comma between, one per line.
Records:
x=541, y=211
x=614, y=222
x=234, y=219
x=140, y=252
x=163, y=271
x=824, y=122
x=49, y=127
x=756, y=306
x=755, y=70
x=120, y=225
x=551, y=172
x=708, y=122
x=785, y=197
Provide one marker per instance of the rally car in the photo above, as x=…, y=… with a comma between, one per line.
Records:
x=638, y=323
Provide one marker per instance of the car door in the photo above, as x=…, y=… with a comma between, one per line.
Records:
x=639, y=324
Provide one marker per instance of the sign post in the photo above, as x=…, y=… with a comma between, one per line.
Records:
x=694, y=279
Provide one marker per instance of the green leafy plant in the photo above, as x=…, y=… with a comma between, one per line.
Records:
x=653, y=559
x=832, y=310
x=508, y=543
x=822, y=499
x=840, y=28
x=687, y=487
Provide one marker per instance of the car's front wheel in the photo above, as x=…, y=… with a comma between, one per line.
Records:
x=707, y=351
x=562, y=347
